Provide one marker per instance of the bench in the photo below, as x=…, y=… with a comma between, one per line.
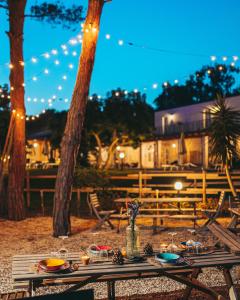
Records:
x=225, y=236
x=14, y=295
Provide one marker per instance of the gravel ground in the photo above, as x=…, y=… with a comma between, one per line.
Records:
x=34, y=236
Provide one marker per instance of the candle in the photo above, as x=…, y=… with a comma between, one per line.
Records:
x=85, y=260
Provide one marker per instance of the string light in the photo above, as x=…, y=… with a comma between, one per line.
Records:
x=176, y=81
x=65, y=52
x=213, y=58
x=155, y=86
x=64, y=77
x=74, y=53
x=108, y=36
x=34, y=60
x=59, y=87
x=54, y=52
x=46, y=55
x=34, y=78
x=46, y=71
x=57, y=62
x=10, y=66
x=120, y=42
x=70, y=66
x=224, y=58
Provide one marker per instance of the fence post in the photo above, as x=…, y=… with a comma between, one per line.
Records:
x=140, y=183
x=204, y=186
x=78, y=201
x=28, y=189
x=42, y=202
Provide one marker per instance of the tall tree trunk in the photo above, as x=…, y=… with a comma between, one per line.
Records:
x=16, y=207
x=99, y=155
x=72, y=134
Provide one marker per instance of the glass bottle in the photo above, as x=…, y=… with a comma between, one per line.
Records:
x=133, y=240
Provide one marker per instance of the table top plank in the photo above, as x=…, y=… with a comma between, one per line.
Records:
x=159, y=200
x=22, y=266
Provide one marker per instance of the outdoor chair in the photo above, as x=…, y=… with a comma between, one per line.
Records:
x=105, y=216
x=213, y=214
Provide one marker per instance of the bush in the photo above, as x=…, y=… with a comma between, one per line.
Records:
x=91, y=178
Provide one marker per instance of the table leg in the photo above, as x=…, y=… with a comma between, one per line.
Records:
x=188, y=289
x=233, y=294
x=111, y=290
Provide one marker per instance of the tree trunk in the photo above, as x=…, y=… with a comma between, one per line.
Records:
x=111, y=150
x=72, y=134
x=16, y=207
x=99, y=144
x=229, y=178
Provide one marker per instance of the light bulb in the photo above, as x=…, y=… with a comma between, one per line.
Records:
x=34, y=60
x=120, y=42
x=46, y=55
x=46, y=71
x=65, y=52
x=108, y=36
x=70, y=66
x=57, y=62
x=59, y=87
x=64, y=77
x=54, y=52
x=135, y=90
x=34, y=78
x=155, y=85
x=176, y=81
x=213, y=58
x=74, y=53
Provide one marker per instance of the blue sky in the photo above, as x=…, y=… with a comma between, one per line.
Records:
x=208, y=27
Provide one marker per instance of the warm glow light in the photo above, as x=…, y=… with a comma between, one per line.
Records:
x=59, y=87
x=120, y=42
x=22, y=63
x=178, y=185
x=108, y=36
x=28, y=99
x=74, y=53
x=10, y=66
x=155, y=85
x=125, y=92
x=35, y=145
x=42, y=100
x=54, y=52
x=34, y=60
x=232, y=64
x=135, y=90
x=34, y=78
x=64, y=77
x=220, y=68
x=57, y=62
x=118, y=148
x=174, y=145
x=235, y=58
x=66, y=100
x=46, y=55
x=176, y=81
x=34, y=99
x=121, y=155
x=213, y=58
x=165, y=83
x=73, y=41
x=65, y=52
x=70, y=66
x=224, y=58
x=46, y=71
x=117, y=94
x=64, y=47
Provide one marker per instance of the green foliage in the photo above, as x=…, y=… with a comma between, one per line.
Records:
x=129, y=116
x=203, y=85
x=91, y=178
x=57, y=13
x=224, y=132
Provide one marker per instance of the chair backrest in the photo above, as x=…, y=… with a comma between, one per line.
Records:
x=220, y=202
x=94, y=201
x=79, y=295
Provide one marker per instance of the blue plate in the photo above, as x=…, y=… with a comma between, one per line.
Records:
x=167, y=258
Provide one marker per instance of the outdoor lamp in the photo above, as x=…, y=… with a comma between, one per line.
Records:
x=178, y=185
x=118, y=148
x=121, y=155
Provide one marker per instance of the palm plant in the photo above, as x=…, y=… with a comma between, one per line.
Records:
x=224, y=132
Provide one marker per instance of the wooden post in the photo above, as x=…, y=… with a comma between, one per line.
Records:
x=28, y=189
x=140, y=184
x=204, y=186
x=42, y=202
x=78, y=201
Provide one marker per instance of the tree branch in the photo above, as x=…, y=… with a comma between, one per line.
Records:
x=3, y=6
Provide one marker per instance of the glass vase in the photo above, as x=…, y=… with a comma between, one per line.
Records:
x=133, y=241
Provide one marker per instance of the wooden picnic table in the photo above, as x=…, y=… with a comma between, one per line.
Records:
x=235, y=212
x=23, y=272
x=160, y=200
x=155, y=212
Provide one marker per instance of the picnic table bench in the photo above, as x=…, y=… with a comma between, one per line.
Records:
x=225, y=236
x=155, y=213
x=23, y=272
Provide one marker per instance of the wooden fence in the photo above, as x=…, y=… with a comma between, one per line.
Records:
x=200, y=184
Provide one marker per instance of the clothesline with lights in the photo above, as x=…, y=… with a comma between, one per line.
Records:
x=78, y=40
